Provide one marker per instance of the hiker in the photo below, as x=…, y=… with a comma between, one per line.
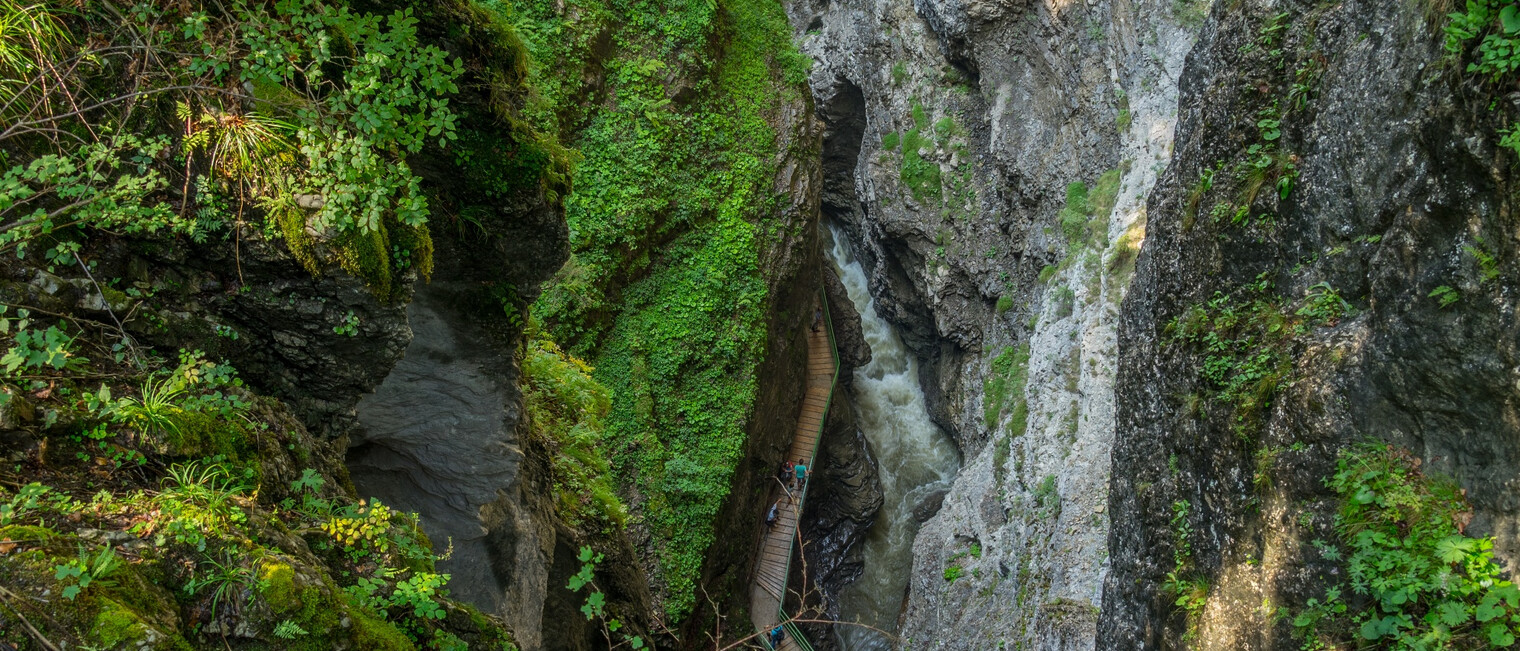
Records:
x=801, y=470
x=770, y=516
x=786, y=471
x=776, y=637
x=817, y=318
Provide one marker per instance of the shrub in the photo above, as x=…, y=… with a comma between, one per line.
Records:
x=1418, y=581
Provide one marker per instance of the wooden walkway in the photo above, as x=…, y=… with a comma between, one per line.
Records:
x=770, y=571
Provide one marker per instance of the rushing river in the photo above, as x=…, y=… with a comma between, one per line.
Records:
x=913, y=456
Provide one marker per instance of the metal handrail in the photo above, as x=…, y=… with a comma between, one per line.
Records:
x=791, y=629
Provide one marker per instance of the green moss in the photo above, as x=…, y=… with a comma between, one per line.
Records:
x=115, y=625
x=277, y=581
x=1004, y=303
x=890, y=141
x=375, y=634
x=1004, y=383
x=200, y=434
x=568, y=408
x=26, y=532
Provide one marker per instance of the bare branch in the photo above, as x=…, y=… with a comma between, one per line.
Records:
x=114, y=100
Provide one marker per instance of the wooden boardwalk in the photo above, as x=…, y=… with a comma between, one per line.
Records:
x=771, y=567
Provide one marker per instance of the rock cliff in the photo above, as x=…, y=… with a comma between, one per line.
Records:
x=989, y=161
x=1395, y=188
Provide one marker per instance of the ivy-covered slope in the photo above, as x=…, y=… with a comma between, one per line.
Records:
x=687, y=221
x=1330, y=260
x=261, y=181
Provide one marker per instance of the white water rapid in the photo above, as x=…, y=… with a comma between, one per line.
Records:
x=913, y=456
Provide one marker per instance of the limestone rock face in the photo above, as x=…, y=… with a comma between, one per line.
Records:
x=1400, y=186
x=954, y=130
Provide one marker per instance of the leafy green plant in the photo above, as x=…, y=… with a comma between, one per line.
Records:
x=952, y=572
x=567, y=405
x=349, y=326
x=1488, y=266
x=197, y=499
x=86, y=570
x=1004, y=387
x=1495, y=24
x=27, y=499
x=1047, y=499
x=36, y=350
x=1445, y=296
x=225, y=578
x=1191, y=13
x=1245, y=339
x=1420, y=582
x=288, y=630
x=595, y=606
x=1323, y=305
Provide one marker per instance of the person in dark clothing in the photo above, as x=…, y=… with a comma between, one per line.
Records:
x=817, y=318
x=786, y=471
x=776, y=634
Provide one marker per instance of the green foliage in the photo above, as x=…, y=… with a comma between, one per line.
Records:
x=105, y=185
x=1121, y=100
x=1324, y=305
x=1423, y=584
x=1047, y=499
x=595, y=607
x=36, y=350
x=925, y=178
x=1191, y=13
x=899, y=73
x=569, y=407
x=1065, y=302
x=86, y=570
x=1189, y=591
x=952, y=572
x=673, y=205
x=27, y=499
x=922, y=177
x=225, y=578
x=1445, y=296
x=1004, y=304
x=1495, y=25
x=1245, y=340
x=1084, y=218
x=197, y=499
x=1488, y=266
x=306, y=109
x=1004, y=385
x=349, y=326
x=288, y=630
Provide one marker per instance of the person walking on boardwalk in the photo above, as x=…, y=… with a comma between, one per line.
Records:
x=801, y=470
x=770, y=516
x=817, y=318
x=786, y=471
x=776, y=637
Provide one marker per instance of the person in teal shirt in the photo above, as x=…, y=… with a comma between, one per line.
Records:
x=801, y=470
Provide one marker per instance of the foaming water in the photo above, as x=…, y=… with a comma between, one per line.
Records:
x=914, y=459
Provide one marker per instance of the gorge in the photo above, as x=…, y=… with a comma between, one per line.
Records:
x=466, y=324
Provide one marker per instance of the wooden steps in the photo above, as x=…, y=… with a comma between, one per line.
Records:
x=776, y=549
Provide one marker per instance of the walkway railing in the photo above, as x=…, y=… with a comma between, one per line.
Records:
x=792, y=630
